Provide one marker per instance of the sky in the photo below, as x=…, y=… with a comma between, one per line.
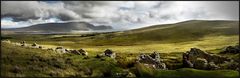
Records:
x=118, y=14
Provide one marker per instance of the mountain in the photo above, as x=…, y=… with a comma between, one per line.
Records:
x=60, y=27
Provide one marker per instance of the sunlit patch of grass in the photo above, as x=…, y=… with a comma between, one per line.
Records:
x=206, y=43
x=209, y=43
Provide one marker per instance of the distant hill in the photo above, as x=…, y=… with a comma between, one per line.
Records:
x=186, y=29
x=178, y=32
x=60, y=27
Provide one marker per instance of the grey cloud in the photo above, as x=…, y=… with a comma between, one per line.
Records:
x=120, y=12
x=24, y=10
x=228, y=9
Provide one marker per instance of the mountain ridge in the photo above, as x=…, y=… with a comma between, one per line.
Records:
x=60, y=27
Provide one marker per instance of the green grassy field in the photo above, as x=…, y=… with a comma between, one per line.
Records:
x=42, y=63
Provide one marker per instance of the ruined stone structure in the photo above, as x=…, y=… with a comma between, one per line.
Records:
x=199, y=59
x=152, y=60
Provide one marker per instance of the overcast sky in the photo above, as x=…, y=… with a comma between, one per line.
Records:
x=119, y=14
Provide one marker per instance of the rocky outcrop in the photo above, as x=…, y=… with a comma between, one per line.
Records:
x=196, y=58
x=152, y=60
x=232, y=49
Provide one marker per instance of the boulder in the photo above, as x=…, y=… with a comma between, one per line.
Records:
x=75, y=52
x=110, y=53
x=60, y=49
x=147, y=59
x=84, y=53
x=200, y=63
x=212, y=66
x=161, y=66
x=196, y=53
x=197, y=58
x=155, y=56
x=40, y=47
x=187, y=63
x=232, y=49
x=68, y=51
x=34, y=44
x=217, y=59
x=152, y=60
x=23, y=43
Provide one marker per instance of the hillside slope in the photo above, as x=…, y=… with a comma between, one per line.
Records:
x=178, y=37
x=60, y=27
x=179, y=32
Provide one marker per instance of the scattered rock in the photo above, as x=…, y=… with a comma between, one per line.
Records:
x=23, y=43
x=34, y=44
x=75, y=52
x=110, y=53
x=40, y=47
x=152, y=60
x=200, y=63
x=232, y=49
x=212, y=66
x=199, y=59
x=84, y=53
x=68, y=51
x=60, y=49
